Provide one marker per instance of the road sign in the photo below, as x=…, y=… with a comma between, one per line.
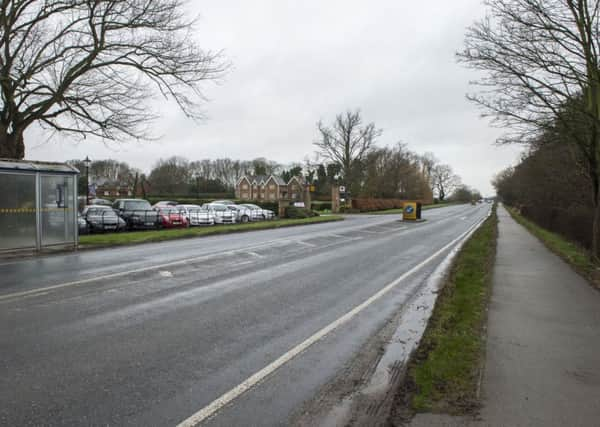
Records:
x=342, y=188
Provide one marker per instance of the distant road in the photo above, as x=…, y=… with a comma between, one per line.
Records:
x=238, y=329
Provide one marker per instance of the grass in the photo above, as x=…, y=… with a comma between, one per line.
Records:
x=576, y=256
x=135, y=237
x=399, y=210
x=443, y=374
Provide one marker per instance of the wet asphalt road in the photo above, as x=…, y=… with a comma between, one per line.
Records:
x=149, y=335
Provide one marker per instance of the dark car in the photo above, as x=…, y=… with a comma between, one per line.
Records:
x=102, y=218
x=137, y=213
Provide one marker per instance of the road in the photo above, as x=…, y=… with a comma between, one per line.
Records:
x=238, y=329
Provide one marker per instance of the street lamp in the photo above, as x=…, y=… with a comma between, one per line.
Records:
x=87, y=162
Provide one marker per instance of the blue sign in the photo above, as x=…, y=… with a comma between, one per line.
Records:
x=409, y=209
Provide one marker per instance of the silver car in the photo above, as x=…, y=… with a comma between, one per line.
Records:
x=243, y=214
x=259, y=212
x=222, y=213
x=196, y=215
x=102, y=218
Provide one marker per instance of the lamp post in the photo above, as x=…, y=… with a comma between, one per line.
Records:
x=87, y=162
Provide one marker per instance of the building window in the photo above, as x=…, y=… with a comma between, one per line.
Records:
x=244, y=186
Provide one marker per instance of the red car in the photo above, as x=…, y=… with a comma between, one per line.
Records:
x=172, y=218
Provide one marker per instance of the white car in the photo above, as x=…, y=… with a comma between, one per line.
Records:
x=222, y=213
x=259, y=212
x=196, y=215
x=243, y=214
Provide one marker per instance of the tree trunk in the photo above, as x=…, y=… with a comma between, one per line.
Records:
x=11, y=144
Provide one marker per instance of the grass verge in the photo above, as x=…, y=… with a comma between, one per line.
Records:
x=576, y=256
x=444, y=371
x=135, y=237
x=399, y=210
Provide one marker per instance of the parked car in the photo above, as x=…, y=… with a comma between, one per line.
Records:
x=264, y=213
x=223, y=202
x=103, y=202
x=242, y=214
x=164, y=204
x=196, y=215
x=223, y=215
x=137, y=213
x=171, y=217
x=102, y=218
x=82, y=224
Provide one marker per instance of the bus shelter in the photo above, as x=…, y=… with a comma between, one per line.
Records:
x=38, y=205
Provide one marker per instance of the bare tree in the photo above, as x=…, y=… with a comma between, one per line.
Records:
x=444, y=181
x=347, y=141
x=541, y=60
x=88, y=67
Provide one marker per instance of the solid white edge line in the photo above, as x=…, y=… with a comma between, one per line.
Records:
x=217, y=404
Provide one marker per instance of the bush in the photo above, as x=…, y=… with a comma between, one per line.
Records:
x=294, y=212
x=370, y=204
x=349, y=210
x=321, y=206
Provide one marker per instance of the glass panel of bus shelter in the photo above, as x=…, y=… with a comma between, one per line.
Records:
x=17, y=211
x=58, y=209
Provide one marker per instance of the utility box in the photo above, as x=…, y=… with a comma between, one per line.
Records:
x=411, y=211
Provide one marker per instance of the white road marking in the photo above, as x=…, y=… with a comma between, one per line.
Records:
x=217, y=404
x=165, y=273
x=310, y=245
x=254, y=254
x=47, y=289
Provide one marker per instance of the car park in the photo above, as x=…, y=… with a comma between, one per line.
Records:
x=137, y=213
x=100, y=218
x=257, y=210
x=223, y=215
x=171, y=217
x=196, y=215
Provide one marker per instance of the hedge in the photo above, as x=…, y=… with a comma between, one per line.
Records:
x=295, y=212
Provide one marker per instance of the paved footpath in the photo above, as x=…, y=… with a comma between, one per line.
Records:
x=543, y=346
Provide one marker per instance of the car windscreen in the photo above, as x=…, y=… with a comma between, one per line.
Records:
x=136, y=205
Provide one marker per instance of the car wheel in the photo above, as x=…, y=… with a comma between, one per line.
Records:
x=245, y=218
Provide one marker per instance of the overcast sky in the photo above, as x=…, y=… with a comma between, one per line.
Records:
x=295, y=62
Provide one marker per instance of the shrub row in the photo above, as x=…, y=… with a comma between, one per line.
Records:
x=294, y=212
x=369, y=204
x=321, y=206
